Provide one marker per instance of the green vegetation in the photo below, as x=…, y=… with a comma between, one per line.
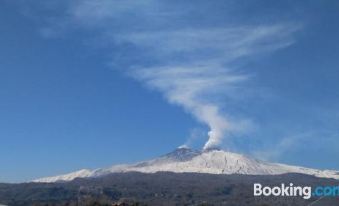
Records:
x=159, y=189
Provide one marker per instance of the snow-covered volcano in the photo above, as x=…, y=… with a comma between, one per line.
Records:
x=209, y=161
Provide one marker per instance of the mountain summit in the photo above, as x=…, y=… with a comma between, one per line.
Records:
x=214, y=161
x=182, y=154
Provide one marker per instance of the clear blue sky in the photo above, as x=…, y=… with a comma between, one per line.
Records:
x=90, y=84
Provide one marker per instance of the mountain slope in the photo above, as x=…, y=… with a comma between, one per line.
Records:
x=211, y=161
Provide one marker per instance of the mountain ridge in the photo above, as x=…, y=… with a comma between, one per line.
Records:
x=212, y=161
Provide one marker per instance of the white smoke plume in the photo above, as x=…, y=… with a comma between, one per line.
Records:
x=196, y=84
x=190, y=88
x=196, y=67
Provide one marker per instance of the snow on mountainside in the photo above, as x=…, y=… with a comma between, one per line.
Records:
x=208, y=161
